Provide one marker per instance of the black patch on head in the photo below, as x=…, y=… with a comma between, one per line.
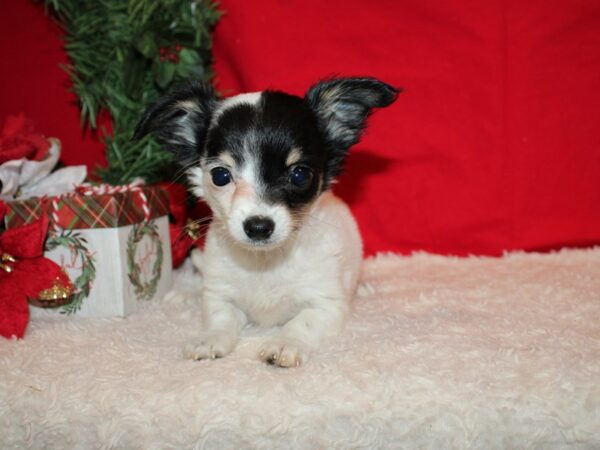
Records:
x=233, y=128
x=286, y=124
x=180, y=120
x=342, y=106
x=270, y=130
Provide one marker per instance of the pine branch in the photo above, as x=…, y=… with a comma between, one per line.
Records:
x=123, y=55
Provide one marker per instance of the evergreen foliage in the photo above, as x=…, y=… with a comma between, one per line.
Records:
x=123, y=55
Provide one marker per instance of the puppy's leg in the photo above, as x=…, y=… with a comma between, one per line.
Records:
x=303, y=334
x=223, y=323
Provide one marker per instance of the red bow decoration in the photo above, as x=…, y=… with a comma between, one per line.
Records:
x=25, y=275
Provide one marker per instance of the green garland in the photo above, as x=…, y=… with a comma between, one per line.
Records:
x=83, y=283
x=124, y=54
x=144, y=290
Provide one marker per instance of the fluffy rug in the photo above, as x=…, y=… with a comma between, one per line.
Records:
x=439, y=353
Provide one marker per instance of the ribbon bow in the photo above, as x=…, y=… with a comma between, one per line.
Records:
x=25, y=275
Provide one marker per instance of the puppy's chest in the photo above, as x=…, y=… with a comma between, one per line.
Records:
x=269, y=299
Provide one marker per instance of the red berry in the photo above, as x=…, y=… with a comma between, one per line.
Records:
x=178, y=47
x=162, y=51
x=162, y=58
x=174, y=58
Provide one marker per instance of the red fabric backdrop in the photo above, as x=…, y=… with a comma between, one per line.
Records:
x=493, y=146
x=32, y=82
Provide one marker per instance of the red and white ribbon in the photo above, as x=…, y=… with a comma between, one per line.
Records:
x=107, y=189
x=104, y=189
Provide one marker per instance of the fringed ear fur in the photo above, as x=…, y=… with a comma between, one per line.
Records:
x=180, y=120
x=342, y=106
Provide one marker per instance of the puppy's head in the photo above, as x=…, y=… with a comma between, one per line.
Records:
x=261, y=160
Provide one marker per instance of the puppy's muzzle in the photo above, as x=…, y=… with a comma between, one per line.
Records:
x=259, y=228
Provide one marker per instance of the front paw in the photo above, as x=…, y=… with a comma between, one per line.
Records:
x=283, y=352
x=214, y=344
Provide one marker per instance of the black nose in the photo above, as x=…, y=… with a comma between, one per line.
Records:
x=259, y=228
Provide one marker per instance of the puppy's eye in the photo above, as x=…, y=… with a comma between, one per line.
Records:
x=301, y=176
x=220, y=176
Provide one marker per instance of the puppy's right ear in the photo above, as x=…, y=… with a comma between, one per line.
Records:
x=180, y=120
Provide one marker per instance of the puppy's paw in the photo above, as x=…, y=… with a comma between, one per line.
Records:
x=213, y=344
x=283, y=352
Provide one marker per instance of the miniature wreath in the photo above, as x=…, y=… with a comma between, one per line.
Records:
x=83, y=283
x=144, y=290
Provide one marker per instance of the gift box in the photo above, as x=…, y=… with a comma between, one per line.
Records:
x=113, y=242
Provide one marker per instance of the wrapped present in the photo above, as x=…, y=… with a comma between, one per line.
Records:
x=112, y=241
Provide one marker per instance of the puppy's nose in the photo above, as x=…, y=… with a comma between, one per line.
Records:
x=258, y=227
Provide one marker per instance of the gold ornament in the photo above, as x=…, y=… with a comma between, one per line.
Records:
x=193, y=229
x=56, y=292
x=57, y=295
x=5, y=259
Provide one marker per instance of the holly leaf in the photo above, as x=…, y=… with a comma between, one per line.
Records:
x=189, y=57
x=146, y=45
x=187, y=71
x=163, y=73
x=190, y=64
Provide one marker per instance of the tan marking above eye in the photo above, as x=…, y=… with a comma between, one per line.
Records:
x=188, y=105
x=227, y=158
x=293, y=157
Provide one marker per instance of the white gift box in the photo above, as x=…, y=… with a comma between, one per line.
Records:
x=115, y=247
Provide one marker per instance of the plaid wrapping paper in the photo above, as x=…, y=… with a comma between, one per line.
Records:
x=90, y=211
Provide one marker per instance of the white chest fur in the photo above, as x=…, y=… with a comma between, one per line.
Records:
x=319, y=268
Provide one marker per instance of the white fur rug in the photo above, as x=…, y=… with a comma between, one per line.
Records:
x=439, y=353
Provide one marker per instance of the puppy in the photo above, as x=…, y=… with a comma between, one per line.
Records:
x=281, y=250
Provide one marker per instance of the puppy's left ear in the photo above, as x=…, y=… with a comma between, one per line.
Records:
x=342, y=106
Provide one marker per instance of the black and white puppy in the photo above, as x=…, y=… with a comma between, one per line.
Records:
x=282, y=250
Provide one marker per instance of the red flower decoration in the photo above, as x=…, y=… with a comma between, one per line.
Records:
x=24, y=274
x=18, y=140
